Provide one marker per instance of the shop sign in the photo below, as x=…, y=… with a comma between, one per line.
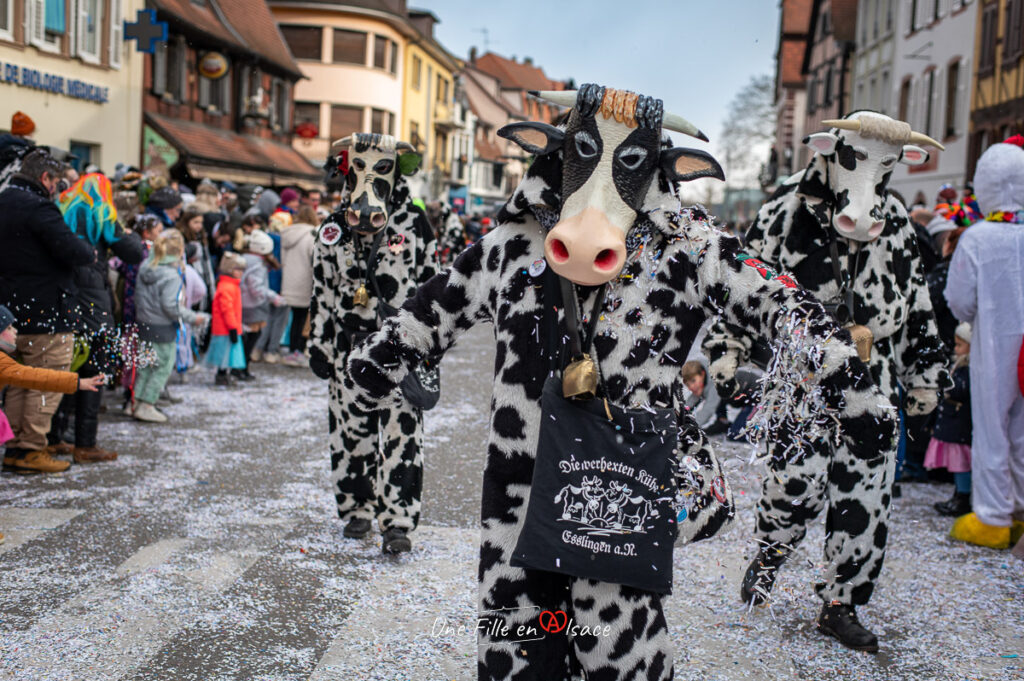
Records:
x=213, y=65
x=23, y=76
x=156, y=150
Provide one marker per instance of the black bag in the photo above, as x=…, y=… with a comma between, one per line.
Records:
x=421, y=387
x=601, y=498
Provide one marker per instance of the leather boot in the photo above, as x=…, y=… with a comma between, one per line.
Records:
x=37, y=462
x=841, y=623
x=959, y=504
x=396, y=540
x=91, y=454
x=357, y=528
x=761, y=573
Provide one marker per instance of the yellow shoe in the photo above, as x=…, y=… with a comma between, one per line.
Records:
x=970, y=529
x=1016, y=532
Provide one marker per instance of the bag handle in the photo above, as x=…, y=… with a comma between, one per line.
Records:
x=371, y=267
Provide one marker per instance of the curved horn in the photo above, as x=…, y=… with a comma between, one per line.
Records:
x=920, y=138
x=343, y=142
x=843, y=124
x=677, y=123
x=560, y=97
x=404, y=146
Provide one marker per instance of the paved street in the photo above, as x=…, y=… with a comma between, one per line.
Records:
x=210, y=551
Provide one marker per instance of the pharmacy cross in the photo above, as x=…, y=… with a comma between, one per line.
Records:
x=146, y=31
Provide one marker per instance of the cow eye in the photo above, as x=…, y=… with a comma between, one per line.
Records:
x=585, y=145
x=384, y=166
x=888, y=161
x=359, y=163
x=860, y=156
x=632, y=157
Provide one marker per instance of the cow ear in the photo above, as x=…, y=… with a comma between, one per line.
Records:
x=409, y=162
x=683, y=165
x=913, y=156
x=536, y=138
x=823, y=143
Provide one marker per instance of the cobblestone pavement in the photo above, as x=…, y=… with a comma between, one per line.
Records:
x=209, y=550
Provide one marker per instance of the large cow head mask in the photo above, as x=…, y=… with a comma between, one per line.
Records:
x=375, y=163
x=860, y=153
x=611, y=151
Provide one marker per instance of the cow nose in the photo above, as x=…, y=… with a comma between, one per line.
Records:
x=846, y=224
x=377, y=219
x=352, y=217
x=586, y=249
x=876, y=229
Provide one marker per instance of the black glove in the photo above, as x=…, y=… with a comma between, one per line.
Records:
x=319, y=364
x=233, y=335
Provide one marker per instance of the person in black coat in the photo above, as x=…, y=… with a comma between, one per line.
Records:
x=950, y=446
x=38, y=254
x=90, y=213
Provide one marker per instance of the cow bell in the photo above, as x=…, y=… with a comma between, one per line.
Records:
x=362, y=296
x=863, y=339
x=580, y=378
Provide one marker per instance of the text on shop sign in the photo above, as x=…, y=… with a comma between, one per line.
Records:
x=51, y=82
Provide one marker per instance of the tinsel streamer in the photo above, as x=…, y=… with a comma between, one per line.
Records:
x=792, y=410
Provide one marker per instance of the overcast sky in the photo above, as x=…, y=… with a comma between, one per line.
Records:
x=693, y=54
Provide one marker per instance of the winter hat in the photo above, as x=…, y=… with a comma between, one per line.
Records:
x=231, y=261
x=164, y=198
x=22, y=125
x=963, y=332
x=939, y=224
x=288, y=195
x=260, y=243
x=6, y=318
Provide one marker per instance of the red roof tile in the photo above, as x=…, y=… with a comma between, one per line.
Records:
x=515, y=75
x=796, y=16
x=791, y=56
x=487, y=150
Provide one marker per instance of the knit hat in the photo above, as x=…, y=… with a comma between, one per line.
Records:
x=164, y=198
x=259, y=242
x=963, y=332
x=939, y=224
x=22, y=125
x=6, y=318
x=288, y=195
x=231, y=261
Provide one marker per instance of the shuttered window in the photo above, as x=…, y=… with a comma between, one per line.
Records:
x=349, y=47
x=345, y=120
x=1013, y=36
x=305, y=42
x=116, y=33
x=987, y=55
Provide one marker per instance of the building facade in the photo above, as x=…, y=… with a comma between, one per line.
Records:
x=217, y=96
x=875, y=54
x=997, y=97
x=66, y=64
x=932, y=77
x=790, y=91
x=493, y=172
x=826, y=66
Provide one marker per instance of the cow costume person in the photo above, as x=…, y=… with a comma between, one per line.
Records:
x=842, y=235
x=372, y=253
x=597, y=218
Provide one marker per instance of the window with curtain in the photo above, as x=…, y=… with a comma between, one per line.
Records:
x=90, y=20
x=7, y=19
x=169, y=77
x=987, y=55
x=349, y=47
x=345, y=120
x=304, y=41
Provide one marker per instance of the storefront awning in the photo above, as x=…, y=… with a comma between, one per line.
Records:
x=226, y=155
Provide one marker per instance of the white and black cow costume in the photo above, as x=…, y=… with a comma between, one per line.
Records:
x=608, y=169
x=842, y=197
x=371, y=478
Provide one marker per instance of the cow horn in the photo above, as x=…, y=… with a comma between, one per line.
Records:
x=669, y=122
x=920, y=138
x=343, y=142
x=843, y=124
x=404, y=146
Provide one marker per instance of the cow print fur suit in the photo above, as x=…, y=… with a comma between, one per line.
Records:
x=792, y=232
x=678, y=272
x=376, y=453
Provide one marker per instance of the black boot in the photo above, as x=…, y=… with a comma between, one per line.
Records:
x=357, y=528
x=959, y=504
x=396, y=540
x=243, y=375
x=760, y=576
x=223, y=379
x=841, y=623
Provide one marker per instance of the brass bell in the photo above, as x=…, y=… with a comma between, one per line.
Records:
x=580, y=378
x=362, y=296
x=863, y=339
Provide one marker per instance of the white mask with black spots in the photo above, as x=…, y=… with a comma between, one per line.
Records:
x=374, y=164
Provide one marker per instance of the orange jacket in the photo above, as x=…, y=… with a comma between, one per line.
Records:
x=32, y=378
x=227, y=307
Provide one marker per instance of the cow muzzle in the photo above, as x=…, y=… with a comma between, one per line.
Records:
x=861, y=229
x=586, y=249
x=362, y=217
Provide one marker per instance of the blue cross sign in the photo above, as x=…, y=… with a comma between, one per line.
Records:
x=146, y=31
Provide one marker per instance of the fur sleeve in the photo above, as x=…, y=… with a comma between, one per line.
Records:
x=323, y=326
x=426, y=250
x=920, y=353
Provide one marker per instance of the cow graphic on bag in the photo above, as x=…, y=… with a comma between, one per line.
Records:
x=605, y=511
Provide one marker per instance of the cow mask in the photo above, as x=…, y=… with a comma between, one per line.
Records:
x=375, y=163
x=860, y=153
x=611, y=151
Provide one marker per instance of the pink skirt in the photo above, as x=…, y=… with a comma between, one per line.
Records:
x=953, y=457
x=5, y=428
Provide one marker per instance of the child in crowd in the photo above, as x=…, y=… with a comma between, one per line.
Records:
x=704, y=404
x=950, y=446
x=257, y=296
x=226, y=351
x=33, y=378
x=250, y=223
x=160, y=306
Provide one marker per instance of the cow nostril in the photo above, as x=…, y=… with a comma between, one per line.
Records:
x=352, y=217
x=876, y=228
x=377, y=219
x=559, y=251
x=606, y=259
x=845, y=223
